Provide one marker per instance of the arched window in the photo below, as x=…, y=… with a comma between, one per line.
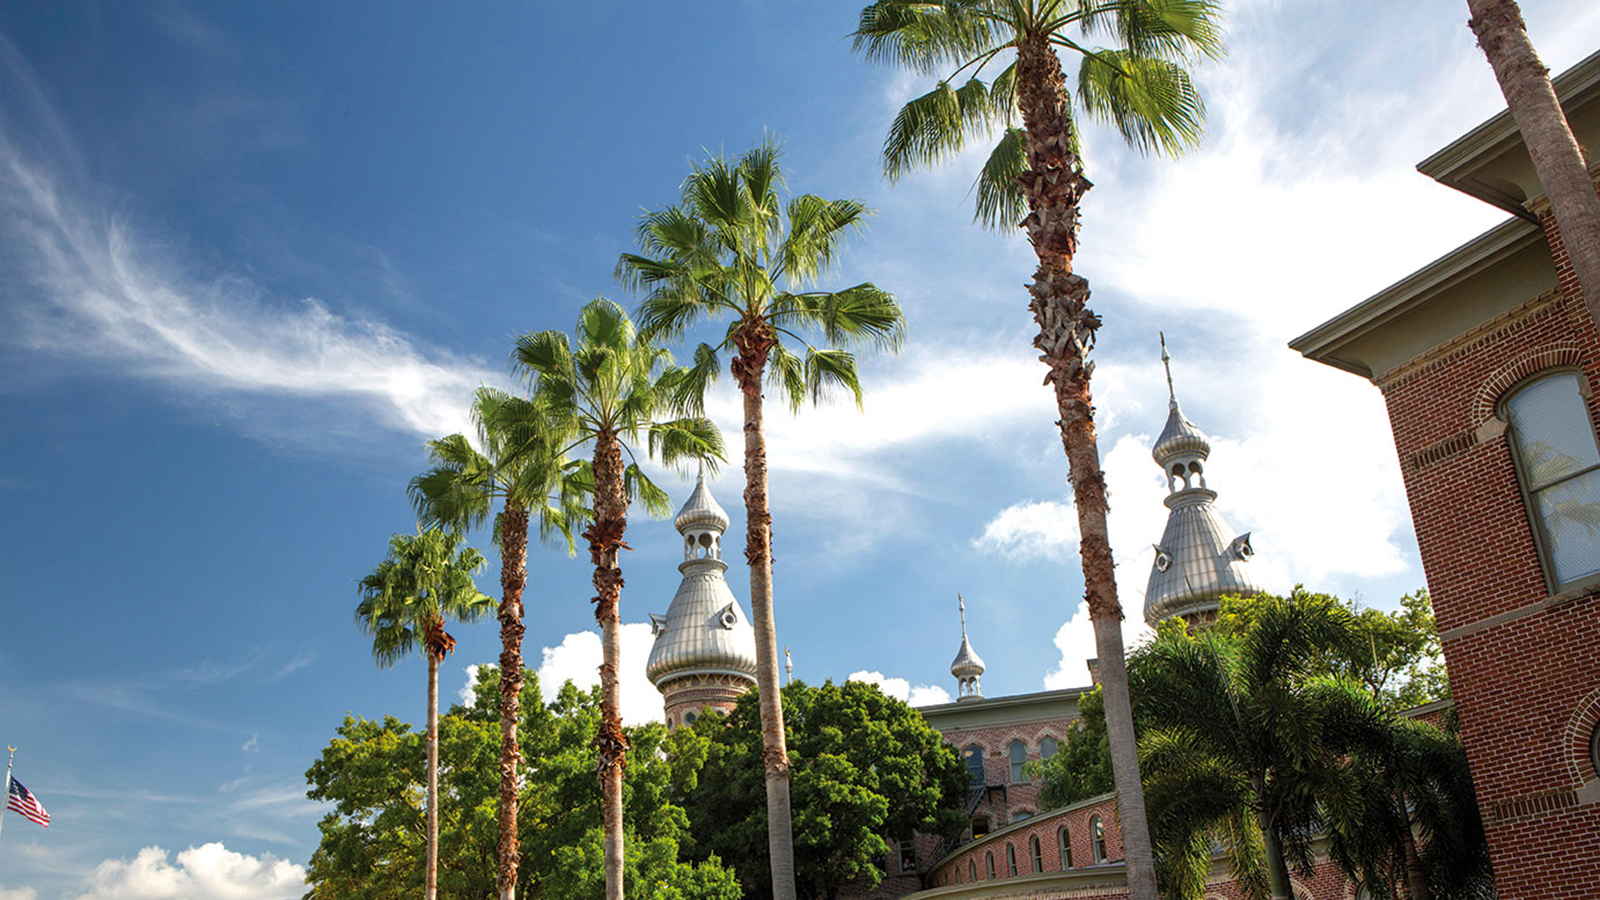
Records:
x=1011, y=859
x=974, y=759
x=1065, y=840
x=1037, y=852
x=1047, y=747
x=1558, y=466
x=988, y=863
x=972, y=870
x=958, y=874
x=1019, y=755
x=1594, y=748
x=1097, y=837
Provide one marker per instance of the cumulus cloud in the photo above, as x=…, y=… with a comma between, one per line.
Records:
x=102, y=288
x=577, y=658
x=26, y=893
x=208, y=872
x=1032, y=529
x=901, y=689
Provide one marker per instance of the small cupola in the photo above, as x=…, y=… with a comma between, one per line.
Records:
x=968, y=665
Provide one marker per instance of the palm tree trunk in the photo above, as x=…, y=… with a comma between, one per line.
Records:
x=754, y=342
x=430, y=878
x=513, y=578
x=1277, y=870
x=1416, y=878
x=1054, y=185
x=1557, y=159
x=611, y=744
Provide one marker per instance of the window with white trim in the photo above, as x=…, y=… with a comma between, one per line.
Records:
x=1018, y=752
x=1558, y=467
x=1097, y=838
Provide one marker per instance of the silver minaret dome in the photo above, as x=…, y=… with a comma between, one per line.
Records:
x=704, y=631
x=968, y=665
x=1200, y=559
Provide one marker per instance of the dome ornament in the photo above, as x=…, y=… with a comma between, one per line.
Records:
x=968, y=665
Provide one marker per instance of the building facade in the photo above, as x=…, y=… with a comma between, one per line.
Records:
x=1488, y=361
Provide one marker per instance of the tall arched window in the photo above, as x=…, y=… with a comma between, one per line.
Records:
x=1037, y=852
x=1019, y=755
x=988, y=863
x=1065, y=840
x=972, y=870
x=1097, y=837
x=1558, y=466
x=974, y=759
x=1047, y=747
x=1011, y=859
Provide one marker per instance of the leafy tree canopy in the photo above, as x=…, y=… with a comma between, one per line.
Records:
x=866, y=767
x=372, y=838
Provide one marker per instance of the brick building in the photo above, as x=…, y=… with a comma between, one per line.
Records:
x=1488, y=361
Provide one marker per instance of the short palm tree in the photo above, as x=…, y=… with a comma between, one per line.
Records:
x=519, y=468
x=1239, y=732
x=1558, y=160
x=610, y=391
x=1035, y=177
x=425, y=580
x=732, y=250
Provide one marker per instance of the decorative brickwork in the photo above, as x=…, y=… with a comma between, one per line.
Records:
x=1524, y=666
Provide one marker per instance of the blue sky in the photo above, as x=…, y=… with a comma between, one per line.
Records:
x=252, y=257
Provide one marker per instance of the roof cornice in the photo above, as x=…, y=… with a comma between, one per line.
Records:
x=1323, y=342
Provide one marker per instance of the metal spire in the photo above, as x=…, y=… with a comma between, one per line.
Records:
x=1166, y=363
x=962, y=606
x=788, y=665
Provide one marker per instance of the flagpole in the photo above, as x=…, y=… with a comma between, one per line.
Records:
x=5, y=799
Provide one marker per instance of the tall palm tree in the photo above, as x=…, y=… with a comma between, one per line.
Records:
x=1239, y=732
x=609, y=391
x=520, y=468
x=730, y=249
x=1557, y=158
x=425, y=580
x=1035, y=177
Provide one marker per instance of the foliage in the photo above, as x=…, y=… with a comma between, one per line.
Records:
x=1396, y=655
x=425, y=579
x=372, y=773
x=866, y=767
x=1141, y=87
x=1081, y=766
x=731, y=249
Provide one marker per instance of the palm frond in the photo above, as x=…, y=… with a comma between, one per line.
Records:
x=1150, y=101
x=924, y=36
x=817, y=230
x=1166, y=29
x=639, y=487
x=938, y=124
x=862, y=315
x=1001, y=203
x=829, y=370
x=689, y=439
x=787, y=372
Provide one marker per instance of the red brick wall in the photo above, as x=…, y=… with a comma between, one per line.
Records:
x=1524, y=682
x=1023, y=797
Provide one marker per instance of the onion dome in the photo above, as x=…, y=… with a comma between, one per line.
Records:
x=968, y=665
x=1200, y=559
x=704, y=631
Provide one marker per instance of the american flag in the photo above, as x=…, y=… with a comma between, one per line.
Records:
x=23, y=801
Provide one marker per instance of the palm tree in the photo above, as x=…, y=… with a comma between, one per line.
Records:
x=1557, y=158
x=425, y=579
x=519, y=469
x=1035, y=176
x=730, y=249
x=609, y=391
x=1239, y=732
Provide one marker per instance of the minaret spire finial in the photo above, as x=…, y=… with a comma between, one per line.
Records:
x=962, y=605
x=1166, y=363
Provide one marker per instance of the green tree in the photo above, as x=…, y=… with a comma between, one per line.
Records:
x=520, y=467
x=610, y=391
x=867, y=768
x=731, y=250
x=1395, y=655
x=425, y=580
x=371, y=773
x=1557, y=158
x=1081, y=766
x=1035, y=176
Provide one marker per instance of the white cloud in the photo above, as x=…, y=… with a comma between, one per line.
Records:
x=466, y=692
x=900, y=688
x=1032, y=529
x=1075, y=640
x=577, y=658
x=253, y=745
x=106, y=290
x=25, y=893
x=208, y=872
